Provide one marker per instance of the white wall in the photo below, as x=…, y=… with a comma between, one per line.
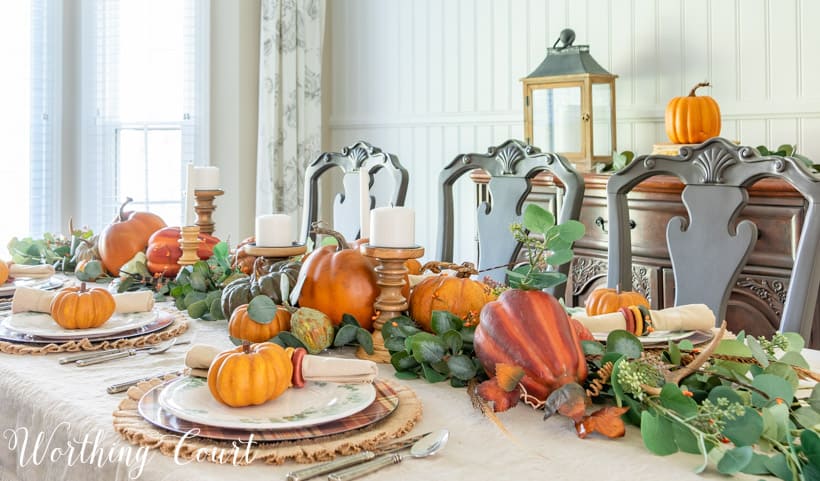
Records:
x=427, y=79
x=234, y=113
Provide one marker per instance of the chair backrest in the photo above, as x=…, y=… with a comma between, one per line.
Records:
x=351, y=160
x=511, y=167
x=709, y=250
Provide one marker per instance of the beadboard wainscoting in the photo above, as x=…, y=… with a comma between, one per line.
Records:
x=428, y=79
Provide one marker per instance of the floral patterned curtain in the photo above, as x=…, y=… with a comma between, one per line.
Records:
x=290, y=108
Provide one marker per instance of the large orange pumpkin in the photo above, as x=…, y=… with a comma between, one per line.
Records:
x=692, y=119
x=4, y=272
x=531, y=330
x=127, y=234
x=250, y=374
x=339, y=280
x=164, y=250
x=605, y=300
x=242, y=326
x=457, y=294
x=81, y=308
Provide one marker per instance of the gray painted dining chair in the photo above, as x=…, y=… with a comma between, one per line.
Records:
x=511, y=167
x=351, y=160
x=709, y=249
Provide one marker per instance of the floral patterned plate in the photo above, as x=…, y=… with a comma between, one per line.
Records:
x=43, y=325
x=318, y=402
x=657, y=337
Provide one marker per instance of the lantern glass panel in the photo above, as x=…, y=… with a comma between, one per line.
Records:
x=601, y=120
x=556, y=119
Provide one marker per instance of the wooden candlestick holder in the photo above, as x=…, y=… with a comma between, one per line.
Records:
x=204, y=208
x=270, y=255
x=390, y=277
x=189, y=242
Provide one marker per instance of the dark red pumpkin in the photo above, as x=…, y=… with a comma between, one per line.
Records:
x=127, y=234
x=531, y=330
x=164, y=251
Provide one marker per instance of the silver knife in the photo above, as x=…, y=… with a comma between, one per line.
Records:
x=122, y=386
x=345, y=461
x=87, y=355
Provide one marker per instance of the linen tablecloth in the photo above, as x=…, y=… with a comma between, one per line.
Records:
x=64, y=405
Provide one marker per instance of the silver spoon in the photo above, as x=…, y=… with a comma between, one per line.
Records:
x=159, y=349
x=426, y=446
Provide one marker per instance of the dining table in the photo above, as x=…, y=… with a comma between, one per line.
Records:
x=56, y=424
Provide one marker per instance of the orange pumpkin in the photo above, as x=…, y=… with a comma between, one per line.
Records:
x=531, y=330
x=81, y=308
x=605, y=300
x=127, y=234
x=242, y=326
x=458, y=294
x=692, y=119
x=250, y=374
x=240, y=259
x=339, y=280
x=4, y=272
x=164, y=250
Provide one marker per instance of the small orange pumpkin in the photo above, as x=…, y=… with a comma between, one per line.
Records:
x=243, y=327
x=692, y=119
x=250, y=374
x=605, y=300
x=81, y=308
x=457, y=294
x=4, y=272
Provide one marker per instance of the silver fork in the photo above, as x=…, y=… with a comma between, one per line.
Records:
x=159, y=349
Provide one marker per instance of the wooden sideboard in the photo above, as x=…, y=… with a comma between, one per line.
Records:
x=758, y=296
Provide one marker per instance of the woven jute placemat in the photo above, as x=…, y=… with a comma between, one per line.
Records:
x=176, y=328
x=131, y=426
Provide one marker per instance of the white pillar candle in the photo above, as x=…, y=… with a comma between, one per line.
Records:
x=206, y=178
x=274, y=230
x=393, y=227
x=364, y=203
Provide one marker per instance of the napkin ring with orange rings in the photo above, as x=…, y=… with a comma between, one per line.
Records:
x=638, y=320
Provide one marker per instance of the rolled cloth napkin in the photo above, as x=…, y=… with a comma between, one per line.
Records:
x=37, y=300
x=691, y=317
x=313, y=368
x=34, y=272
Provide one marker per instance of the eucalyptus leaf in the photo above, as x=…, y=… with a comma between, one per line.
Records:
x=757, y=351
x=559, y=257
x=796, y=341
x=757, y=465
x=197, y=309
x=407, y=375
x=453, y=340
x=194, y=296
x=674, y=354
x=672, y=398
x=199, y=282
x=403, y=361
x=735, y=459
x=537, y=219
x=807, y=417
x=657, y=434
x=571, y=230
x=778, y=466
x=733, y=347
x=443, y=321
x=724, y=392
x=461, y=367
x=365, y=339
x=774, y=386
x=624, y=343
x=593, y=348
x=810, y=441
x=394, y=344
x=347, y=319
x=744, y=430
x=262, y=309
x=784, y=371
x=794, y=359
x=430, y=374
x=613, y=379
x=290, y=340
x=544, y=280
x=685, y=438
x=427, y=348
x=467, y=335
x=216, y=310
x=345, y=335
x=814, y=399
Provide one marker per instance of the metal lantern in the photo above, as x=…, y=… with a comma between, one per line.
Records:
x=569, y=105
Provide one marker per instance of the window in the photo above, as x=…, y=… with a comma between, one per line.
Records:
x=146, y=108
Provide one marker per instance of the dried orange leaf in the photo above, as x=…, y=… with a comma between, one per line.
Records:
x=508, y=376
x=569, y=400
x=502, y=400
x=606, y=421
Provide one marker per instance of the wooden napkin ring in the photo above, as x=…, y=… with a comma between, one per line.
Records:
x=298, y=380
x=630, y=319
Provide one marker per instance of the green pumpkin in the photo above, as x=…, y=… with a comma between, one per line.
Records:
x=242, y=290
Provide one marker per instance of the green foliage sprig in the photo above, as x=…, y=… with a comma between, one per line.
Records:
x=53, y=249
x=545, y=244
x=739, y=412
x=788, y=150
x=619, y=161
x=445, y=354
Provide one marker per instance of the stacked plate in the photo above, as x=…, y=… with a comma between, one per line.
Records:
x=186, y=406
x=52, y=283
x=41, y=328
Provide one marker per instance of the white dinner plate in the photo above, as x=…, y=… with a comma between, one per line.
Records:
x=317, y=402
x=52, y=283
x=43, y=325
x=653, y=337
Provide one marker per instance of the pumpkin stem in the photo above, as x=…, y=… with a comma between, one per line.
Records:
x=246, y=347
x=463, y=271
x=699, y=85
x=121, y=215
x=317, y=228
x=82, y=287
